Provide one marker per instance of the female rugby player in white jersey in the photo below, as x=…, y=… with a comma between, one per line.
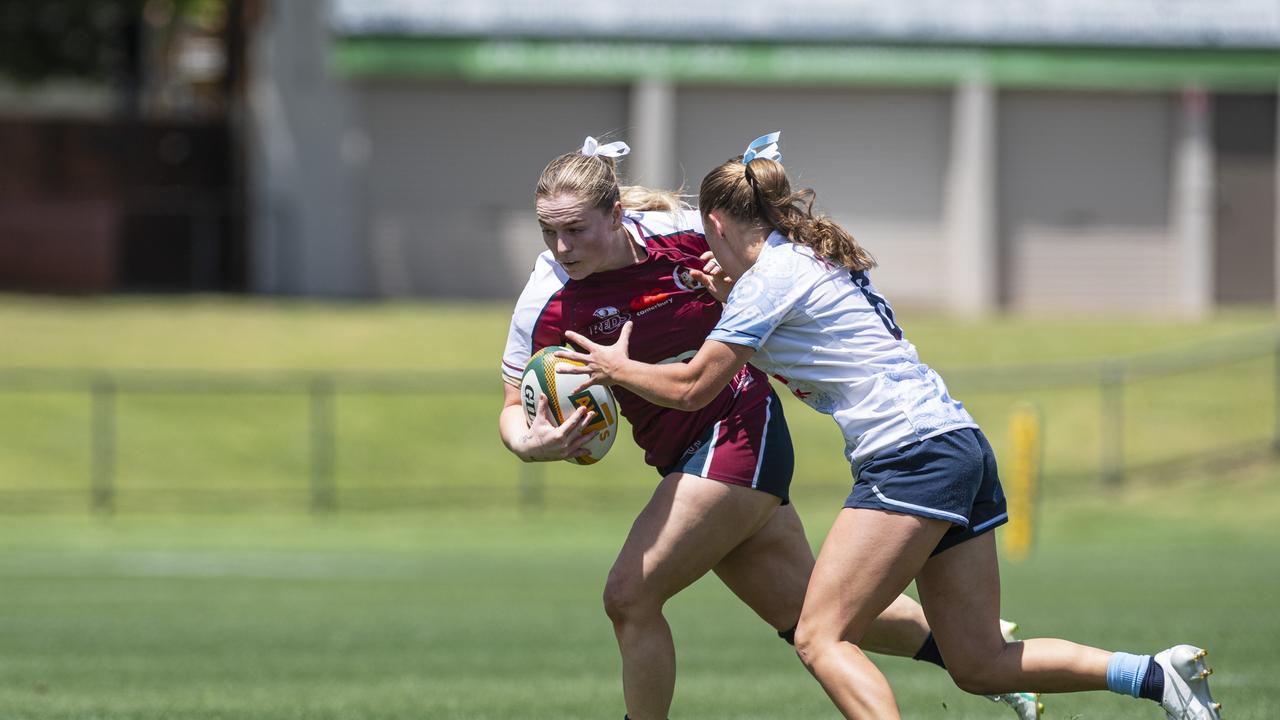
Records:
x=925, y=495
x=632, y=255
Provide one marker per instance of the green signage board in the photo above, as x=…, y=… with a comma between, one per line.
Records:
x=609, y=62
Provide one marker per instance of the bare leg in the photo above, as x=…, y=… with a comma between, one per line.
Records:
x=899, y=630
x=960, y=589
x=689, y=525
x=868, y=558
x=770, y=570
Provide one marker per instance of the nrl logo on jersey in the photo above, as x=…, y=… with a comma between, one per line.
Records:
x=684, y=279
x=608, y=320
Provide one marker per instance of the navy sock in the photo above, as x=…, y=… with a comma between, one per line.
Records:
x=1153, y=683
x=928, y=652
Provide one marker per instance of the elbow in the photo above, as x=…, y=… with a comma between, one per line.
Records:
x=688, y=405
x=694, y=398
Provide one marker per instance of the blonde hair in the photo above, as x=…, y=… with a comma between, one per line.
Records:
x=760, y=193
x=594, y=178
x=645, y=199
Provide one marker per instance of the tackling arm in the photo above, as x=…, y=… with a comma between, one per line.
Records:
x=683, y=386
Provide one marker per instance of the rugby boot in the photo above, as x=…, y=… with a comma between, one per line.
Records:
x=1186, y=684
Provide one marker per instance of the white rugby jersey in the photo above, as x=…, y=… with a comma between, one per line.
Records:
x=825, y=332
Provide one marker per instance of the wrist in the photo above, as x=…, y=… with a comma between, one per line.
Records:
x=517, y=440
x=523, y=445
x=623, y=373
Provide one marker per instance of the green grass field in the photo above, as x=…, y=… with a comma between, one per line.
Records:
x=213, y=594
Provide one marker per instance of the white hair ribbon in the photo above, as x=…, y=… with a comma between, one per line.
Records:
x=591, y=147
x=765, y=146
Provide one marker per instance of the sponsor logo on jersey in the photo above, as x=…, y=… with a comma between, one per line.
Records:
x=684, y=279
x=608, y=321
x=651, y=308
x=649, y=300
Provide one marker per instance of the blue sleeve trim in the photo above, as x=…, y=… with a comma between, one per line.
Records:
x=736, y=337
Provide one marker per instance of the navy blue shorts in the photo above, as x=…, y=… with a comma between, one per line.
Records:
x=751, y=449
x=949, y=477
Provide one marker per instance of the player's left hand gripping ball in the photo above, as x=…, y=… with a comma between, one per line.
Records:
x=565, y=393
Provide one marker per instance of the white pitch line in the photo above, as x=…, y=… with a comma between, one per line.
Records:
x=206, y=564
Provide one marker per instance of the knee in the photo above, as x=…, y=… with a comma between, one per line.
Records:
x=810, y=645
x=625, y=600
x=973, y=677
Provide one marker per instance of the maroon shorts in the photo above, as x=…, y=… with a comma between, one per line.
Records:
x=751, y=449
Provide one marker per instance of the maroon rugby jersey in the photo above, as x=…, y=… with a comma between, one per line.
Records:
x=671, y=316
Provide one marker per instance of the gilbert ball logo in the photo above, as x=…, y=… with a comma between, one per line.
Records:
x=608, y=320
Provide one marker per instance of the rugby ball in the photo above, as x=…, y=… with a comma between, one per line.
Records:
x=566, y=393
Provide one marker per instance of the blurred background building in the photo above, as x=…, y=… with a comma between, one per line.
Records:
x=1065, y=155
x=120, y=167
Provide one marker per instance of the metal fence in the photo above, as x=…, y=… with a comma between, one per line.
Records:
x=1113, y=380
x=1117, y=379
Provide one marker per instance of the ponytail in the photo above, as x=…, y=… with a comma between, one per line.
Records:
x=646, y=199
x=759, y=192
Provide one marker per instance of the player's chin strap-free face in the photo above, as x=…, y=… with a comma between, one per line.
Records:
x=592, y=147
x=765, y=146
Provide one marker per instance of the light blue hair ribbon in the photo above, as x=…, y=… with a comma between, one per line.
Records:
x=765, y=146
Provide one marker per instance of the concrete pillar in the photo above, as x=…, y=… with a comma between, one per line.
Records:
x=1192, y=204
x=971, y=273
x=653, y=134
x=302, y=213
x=1276, y=231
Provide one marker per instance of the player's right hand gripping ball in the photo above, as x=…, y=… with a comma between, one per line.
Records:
x=565, y=393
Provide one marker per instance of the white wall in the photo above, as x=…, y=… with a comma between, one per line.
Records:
x=1084, y=183
x=877, y=159
x=452, y=171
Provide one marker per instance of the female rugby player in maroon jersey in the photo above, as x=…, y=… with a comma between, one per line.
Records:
x=631, y=254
